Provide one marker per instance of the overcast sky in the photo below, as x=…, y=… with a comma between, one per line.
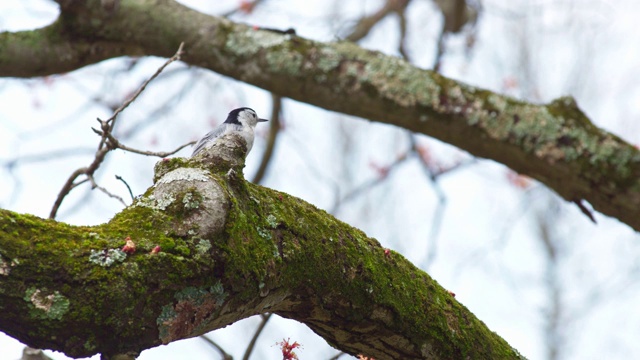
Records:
x=488, y=245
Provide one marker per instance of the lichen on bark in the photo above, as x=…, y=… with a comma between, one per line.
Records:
x=273, y=253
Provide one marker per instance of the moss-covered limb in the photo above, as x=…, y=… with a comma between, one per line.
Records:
x=553, y=143
x=167, y=268
x=66, y=288
x=360, y=297
x=300, y=262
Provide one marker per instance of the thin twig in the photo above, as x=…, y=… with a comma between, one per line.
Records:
x=432, y=173
x=175, y=57
x=68, y=185
x=106, y=143
x=585, y=210
x=252, y=344
x=337, y=356
x=365, y=24
x=54, y=154
x=177, y=94
x=274, y=130
x=367, y=185
x=402, y=43
x=76, y=184
x=225, y=355
x=162, y=154
x=440, y=49
x=95, y=185
x=118, y=177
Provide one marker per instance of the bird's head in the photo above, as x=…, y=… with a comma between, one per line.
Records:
x=244, y=116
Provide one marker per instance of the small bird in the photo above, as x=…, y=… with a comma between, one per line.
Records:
x=241, y=120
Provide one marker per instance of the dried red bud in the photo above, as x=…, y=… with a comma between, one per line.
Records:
x=129, y=247
x=156, y=249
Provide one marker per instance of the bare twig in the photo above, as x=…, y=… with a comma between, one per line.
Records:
x=54, y=154
x=107, y=143
x=436, y=224
x=94, y=185
x=367, y=185
x=178, y=93
x=585, y=210
x=274, y=130
x=402, y=48
x=127, y=185
x=118, y=145
x=68, y=185
x=440, y=49
x=433, y=172
x=225, y=355
x=365, y=24
x=174, y=58
x=252, y=344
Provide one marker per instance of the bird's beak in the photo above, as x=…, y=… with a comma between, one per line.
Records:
x=262, y=120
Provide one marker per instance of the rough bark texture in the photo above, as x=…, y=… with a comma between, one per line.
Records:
x=231, y=249
x=270, y=253
x=554, y=143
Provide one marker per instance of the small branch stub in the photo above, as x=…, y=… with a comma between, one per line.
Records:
x=195, y=194
x=227, y=152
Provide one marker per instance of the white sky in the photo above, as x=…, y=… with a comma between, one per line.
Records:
x=488, y=250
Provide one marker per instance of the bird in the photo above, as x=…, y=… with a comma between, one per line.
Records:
x=241, y=121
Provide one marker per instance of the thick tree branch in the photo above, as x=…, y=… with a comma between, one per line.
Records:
x=554, y=143
x=229, y=249
x=52, y=50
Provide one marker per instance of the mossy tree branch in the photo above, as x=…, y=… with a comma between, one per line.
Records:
x=554, y=143
x=229, y=249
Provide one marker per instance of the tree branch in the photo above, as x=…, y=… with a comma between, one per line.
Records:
x=224, y=249
x=51, y=50
x=554, y=143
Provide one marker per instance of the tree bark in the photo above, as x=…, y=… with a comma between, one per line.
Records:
x=554, y=143
x=228, y=249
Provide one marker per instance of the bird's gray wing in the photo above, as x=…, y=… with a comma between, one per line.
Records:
x=211, y=135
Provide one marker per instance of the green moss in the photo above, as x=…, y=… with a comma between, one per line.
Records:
x=90, y=345
x=344, y=252
x=183, y=250
x=167, y=244
x=164, y=166
x=271, y=240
